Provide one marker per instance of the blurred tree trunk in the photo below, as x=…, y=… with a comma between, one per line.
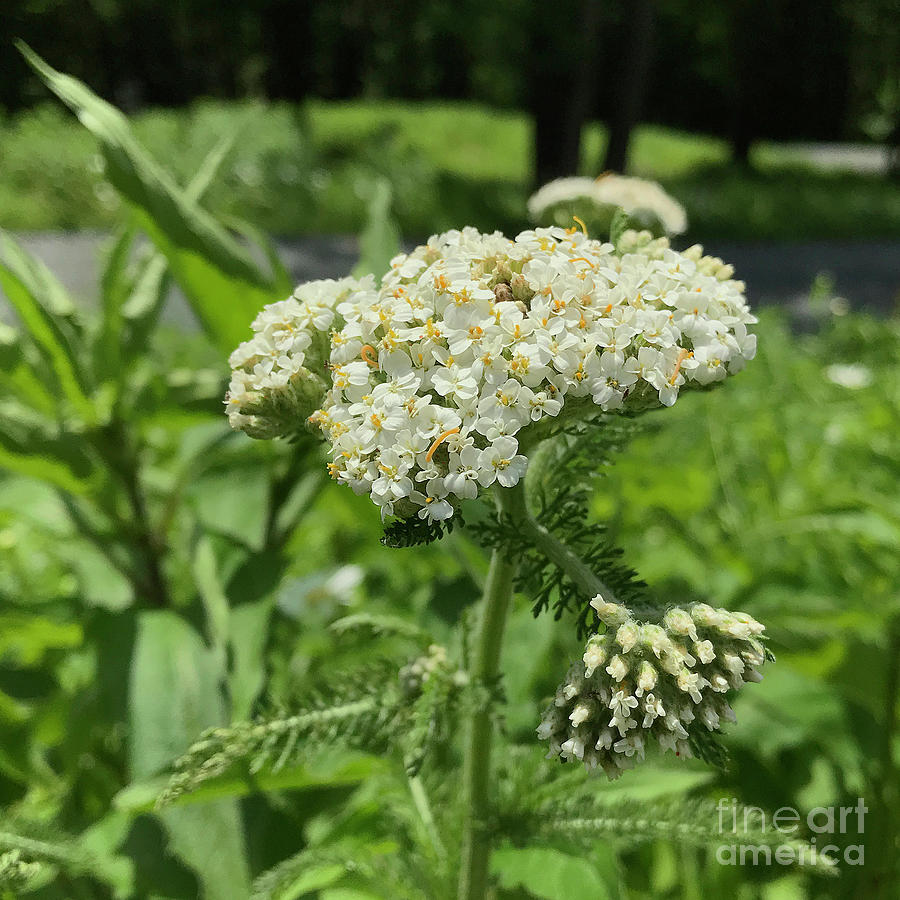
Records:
x=287, y=27
x=561, y=100
x=746, y=32
x=633, y=85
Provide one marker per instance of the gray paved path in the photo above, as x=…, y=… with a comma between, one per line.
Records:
x=867, y=273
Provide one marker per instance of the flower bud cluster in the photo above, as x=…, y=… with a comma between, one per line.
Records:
x=470, y=339
x=641, y=684
x=421, y=670
x=597, y=199
x=279, y=376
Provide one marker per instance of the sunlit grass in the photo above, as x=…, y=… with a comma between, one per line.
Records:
x=309, y=169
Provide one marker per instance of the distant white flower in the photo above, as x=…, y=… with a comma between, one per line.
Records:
x=853, y=376
x=634, y=195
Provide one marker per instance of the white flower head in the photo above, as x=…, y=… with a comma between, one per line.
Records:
x=470, y=340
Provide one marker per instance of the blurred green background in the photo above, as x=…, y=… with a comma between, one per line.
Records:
x=161, y=574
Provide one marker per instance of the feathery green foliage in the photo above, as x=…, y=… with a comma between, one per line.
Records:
x=33, y=854
x=379, y=625
x=17, y=872
x=411, y=532
x=375, y=709
x=562, y=482
x=692, y=823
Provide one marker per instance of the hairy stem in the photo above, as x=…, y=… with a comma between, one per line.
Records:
x=553, y=548
x=117, y=447
x=484, y=670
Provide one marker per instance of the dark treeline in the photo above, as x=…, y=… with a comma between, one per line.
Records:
x=744, y=69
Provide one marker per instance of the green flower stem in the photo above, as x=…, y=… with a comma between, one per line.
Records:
x=485, y=667
x=552, y=547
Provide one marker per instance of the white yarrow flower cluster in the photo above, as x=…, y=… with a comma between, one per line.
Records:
x=641, y=685
x=473, y=337
x=598, y=199
x=278, y=377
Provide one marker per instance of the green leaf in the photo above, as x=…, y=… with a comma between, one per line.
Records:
x=25, y=640
x=209, y=586
x=334, y=770
x=142, y=309
x=223, y=283
x=547, y=873
x=31, y=445
x=77, y=856
x=312, y=878
x=20, y=374
x=44, y=469
x=618, y=226
x=235, y=503
x=209, y=168
x=284, y=283
x=249, y=633
x=100, y=583
x=115, y=287
x=380, y=241
x=42, y=306
x=174, y=695
x=144, y=305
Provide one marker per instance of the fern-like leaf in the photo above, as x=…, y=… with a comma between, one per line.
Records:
x=415, y=532
x=33, y=853
x=374, y=709
x=380, y=625
x=698, y=823
x=309, y=870
x=18, y=873
x=363, y=710
x=562, y=481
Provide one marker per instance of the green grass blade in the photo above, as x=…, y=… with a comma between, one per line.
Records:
x=220, y=278
x=44, y=313
x=380, y=240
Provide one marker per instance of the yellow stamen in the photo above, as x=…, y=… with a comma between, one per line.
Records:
x=682, y=356
x=583, y=226
x=438, y=441
x=582, y=259
x=370, y=355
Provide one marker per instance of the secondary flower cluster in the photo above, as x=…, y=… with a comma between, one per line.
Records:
x=280, y=376
x=472, y=337
x=598, y=199
x=643, y=684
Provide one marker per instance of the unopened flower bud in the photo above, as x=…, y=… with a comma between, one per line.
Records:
x=611, y=614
